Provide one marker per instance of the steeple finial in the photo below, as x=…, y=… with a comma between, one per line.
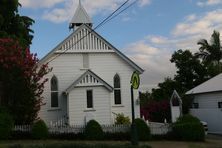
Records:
x=80, y=17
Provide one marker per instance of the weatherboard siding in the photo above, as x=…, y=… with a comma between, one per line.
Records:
x=208, y=110
x=67, y=67
x=109, y=64
x=209, y=100
x=78, y=105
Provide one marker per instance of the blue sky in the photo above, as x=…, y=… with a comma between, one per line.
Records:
x=148, y=33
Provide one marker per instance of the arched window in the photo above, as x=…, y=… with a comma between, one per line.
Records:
x=117, y=89
x=54, y=92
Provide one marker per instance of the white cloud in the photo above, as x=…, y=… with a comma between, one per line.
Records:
x=153, y=52
x=155, y=60
x=56, y=15
x=62, y=10
x=209, y=2
x=144, y=2
x=191, y=17
x=201, y=25
x=39, y=3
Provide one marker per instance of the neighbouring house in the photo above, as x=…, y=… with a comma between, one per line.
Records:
x=90, y=78
x=207, y=103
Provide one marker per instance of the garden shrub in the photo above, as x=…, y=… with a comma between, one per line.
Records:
x=187, y=119
x=143, y=130
x=121, y=119
x=156, y=111
x=40, y=130
x=6, y=124
x=93, y=131
x=188, y=128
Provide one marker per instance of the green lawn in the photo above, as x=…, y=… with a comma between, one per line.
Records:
x=209, y=143
x=68, y=144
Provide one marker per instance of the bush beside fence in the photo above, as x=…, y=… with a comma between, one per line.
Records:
x=155, y=128
x=75, y=128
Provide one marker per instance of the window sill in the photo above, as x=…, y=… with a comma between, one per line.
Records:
x=89, y=110
x=54, y=109
x=118, y=105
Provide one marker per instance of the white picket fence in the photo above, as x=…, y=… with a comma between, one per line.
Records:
x=156, y=128
x=159, y=128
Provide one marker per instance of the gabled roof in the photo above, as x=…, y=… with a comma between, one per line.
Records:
x=175, y=95
x=110, y=48
x=81, y=16
x=212, y=85
x=88, y=78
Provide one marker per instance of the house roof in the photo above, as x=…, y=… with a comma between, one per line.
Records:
x=92, y=32
x=212, y=85
x=79, y=81
x=81, y=16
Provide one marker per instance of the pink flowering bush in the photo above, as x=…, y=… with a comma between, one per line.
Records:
x=156, y=111
x=22, y=81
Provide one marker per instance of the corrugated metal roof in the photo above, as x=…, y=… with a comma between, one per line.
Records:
x=212, y=85
x=81, y=16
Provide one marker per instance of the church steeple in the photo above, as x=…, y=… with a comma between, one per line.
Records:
x=80, y=17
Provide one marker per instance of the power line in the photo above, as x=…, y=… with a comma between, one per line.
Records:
x=133, y=3
x=107, y=19
x=111, y=15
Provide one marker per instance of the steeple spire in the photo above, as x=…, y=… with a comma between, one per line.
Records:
x=80, y=17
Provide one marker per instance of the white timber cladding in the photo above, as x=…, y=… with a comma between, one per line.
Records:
x=209, y=100
x=78, y=111
x=84, y=40
x=213, y=117
x=86, y=61
x=67, y=67
x=208, y=110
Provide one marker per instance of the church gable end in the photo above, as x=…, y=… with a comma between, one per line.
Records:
x=88, y=79
x=84, y=40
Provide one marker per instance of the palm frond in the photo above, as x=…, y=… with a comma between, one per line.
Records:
x=203, y=44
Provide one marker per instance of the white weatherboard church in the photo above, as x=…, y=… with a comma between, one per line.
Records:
x=90, y=78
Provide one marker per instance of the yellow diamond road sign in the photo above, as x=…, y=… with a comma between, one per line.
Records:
x=135, y=80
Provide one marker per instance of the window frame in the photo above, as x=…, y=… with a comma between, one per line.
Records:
x=85, y=61
x=54, y=91
x=195, y=105
x=87, y=99
x=117, y=101
x=220, y=104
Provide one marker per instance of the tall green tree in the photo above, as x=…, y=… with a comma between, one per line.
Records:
x=22, y=80
x=13, y=25
x=165, y=89
x=211, y=54
x=190, y=71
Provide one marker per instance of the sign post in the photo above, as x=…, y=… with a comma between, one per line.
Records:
x=135, y=82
